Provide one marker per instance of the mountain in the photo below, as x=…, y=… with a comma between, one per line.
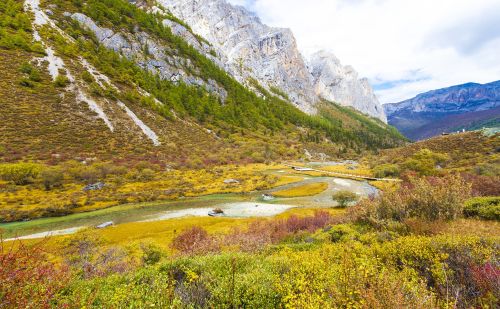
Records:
x=128, y=81
x=469, y=106
x=338, y=83
x=253, y=50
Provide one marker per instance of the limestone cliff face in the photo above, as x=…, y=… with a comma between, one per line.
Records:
x=341, y=84
x=250, y=49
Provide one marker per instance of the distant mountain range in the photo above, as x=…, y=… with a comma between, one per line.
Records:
x=469, y=106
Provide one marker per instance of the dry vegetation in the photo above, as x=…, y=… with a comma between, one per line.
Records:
x=46, y=195
x=303, y=190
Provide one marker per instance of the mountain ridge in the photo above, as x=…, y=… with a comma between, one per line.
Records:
x=141, y=92
x=270, y=55
x=446, y=109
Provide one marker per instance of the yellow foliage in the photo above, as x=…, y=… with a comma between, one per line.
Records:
x=385, y=186
x=358, y=170
x=34, y=202
x=304, y=190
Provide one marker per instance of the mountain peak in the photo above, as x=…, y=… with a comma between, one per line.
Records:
x=338, y=83
x=468, y=106
x=255, y=51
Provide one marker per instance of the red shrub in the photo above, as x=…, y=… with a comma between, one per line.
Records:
x=28, y=279
x=487, y=278
x=258, y=235
x=483, y=185
x=194, y=241
x=265, y=232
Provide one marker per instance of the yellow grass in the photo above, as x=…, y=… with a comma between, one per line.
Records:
x=344, y=169
x=161, y=233
x=304, y=190
x=302, y=212
x=34, y=200
x=385, y=186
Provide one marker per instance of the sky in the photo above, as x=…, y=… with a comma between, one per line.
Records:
x=404, y=47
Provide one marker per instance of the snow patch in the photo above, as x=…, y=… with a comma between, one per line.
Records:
x=42, y=19
x=145, y=129
x=56, y=63
x=81, y=96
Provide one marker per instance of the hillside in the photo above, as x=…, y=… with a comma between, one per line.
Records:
x=465, y=150
x=469, y=106
x=82, y=81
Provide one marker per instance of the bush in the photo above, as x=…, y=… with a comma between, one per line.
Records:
x=28, y=278
x=19, y=173
x=429, y=198
x=26, y=82
x=61, y=81
x=146, y=175
x=424, y=162
x=487, y=208
x=192, y=240
x=344, y=197
x=483, y=185
x=34, y=75
x=52, y=177
x=386, y=170
x=26, y=68
x=151, y=254
x=343, y=232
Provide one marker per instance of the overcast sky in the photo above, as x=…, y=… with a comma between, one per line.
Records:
x=404, y=47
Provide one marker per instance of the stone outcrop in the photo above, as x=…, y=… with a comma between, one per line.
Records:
x=249, y=49
x=156, y=59
x=337, y=83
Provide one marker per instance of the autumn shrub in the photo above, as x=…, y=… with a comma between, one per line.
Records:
x=483, y=207
x=483, y=185
x=52, y=177
x=486, y=279
x=87, y=256
x=144, y=288
x=255, y=237
x=425, y=161
x=27, y=278
x=447, y=266
x=19, y=173
x=194, y=240
x=428, y=198
x=344, y=197
x=386, y=170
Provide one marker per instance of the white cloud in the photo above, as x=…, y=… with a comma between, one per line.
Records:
x=446, y=41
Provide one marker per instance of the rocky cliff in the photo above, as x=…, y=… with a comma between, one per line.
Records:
x=250, y=49
x=467, y=106
x=337, y=83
